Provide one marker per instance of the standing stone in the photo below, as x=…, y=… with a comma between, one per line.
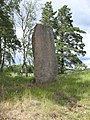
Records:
x=45, y=62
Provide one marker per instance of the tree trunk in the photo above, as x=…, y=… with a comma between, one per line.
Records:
x=0, y=52
x=62, y=55
x=24, y=69
x=62, y=66
x=24, y=66
x=2, y=63
x=3, y=56
x=62, y=62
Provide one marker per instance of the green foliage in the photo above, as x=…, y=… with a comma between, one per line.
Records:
x=13, y=68
x=17, y=69
x=69, y=42
x=8, y=40
x=47, y=14
x=68, y=39
x=80, y=67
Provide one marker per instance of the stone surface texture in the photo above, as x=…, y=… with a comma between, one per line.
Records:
x=45, y=61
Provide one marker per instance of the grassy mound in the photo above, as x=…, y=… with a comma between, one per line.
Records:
x=67, y=98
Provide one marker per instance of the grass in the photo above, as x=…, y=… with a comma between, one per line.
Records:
x=67, y=98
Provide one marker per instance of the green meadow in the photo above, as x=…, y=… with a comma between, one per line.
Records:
x=67, y=98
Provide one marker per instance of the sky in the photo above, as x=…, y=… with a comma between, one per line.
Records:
x=81, y=18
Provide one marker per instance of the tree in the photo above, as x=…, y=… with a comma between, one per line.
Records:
x=8, y=40
x=26, y=19
x=69, y=42
x=47, y=17
x=68, y=39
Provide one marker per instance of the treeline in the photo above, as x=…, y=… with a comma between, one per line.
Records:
x=68, y=39
x=8, y=39
x=18, y=69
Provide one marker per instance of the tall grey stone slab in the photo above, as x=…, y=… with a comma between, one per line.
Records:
x=45, y=61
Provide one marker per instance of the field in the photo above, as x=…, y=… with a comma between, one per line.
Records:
x=67, y=98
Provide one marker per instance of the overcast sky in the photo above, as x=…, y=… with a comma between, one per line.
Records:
x=81, y=16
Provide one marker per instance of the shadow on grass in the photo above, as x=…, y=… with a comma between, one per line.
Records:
x=66, y=90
